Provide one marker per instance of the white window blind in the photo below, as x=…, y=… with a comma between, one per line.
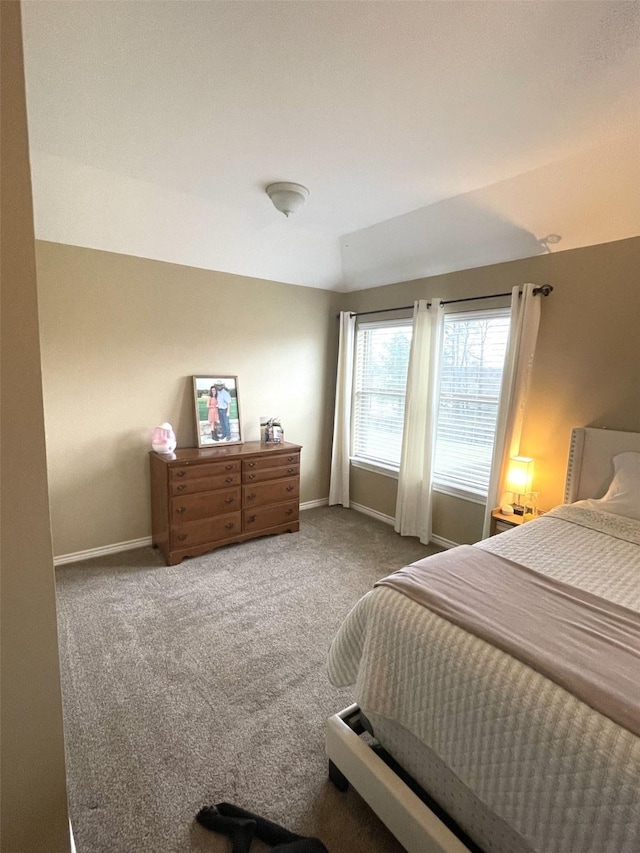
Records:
x=381, y=363
x=473, y=353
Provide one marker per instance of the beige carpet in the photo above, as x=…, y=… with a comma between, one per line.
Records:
x=202, y=682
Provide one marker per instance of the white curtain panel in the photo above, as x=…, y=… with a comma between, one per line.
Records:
x=516, y=380
x=413, y=506
x=339, y=482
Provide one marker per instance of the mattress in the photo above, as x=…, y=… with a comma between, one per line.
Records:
x=520, y=762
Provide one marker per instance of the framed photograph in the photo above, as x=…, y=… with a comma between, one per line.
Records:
x=217, y=410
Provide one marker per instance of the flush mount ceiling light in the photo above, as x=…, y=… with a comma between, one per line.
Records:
x=287, y=197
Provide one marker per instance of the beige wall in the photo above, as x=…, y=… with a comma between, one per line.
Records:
x=586, y=372
x=34, y=802
x=121, y=338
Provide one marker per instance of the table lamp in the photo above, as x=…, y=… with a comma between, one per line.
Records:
x=519, y=480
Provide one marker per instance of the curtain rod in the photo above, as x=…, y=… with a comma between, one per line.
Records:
x=542, y=290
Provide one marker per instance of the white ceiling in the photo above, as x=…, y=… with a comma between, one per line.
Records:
x=432, y=135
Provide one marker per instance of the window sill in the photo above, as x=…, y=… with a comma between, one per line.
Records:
x=471, y=497
x=388, y=471
x=374, y=467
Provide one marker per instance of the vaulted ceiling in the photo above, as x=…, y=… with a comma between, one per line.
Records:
x=432, y=135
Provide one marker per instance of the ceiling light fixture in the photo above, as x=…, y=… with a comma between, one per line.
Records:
x=287, y=197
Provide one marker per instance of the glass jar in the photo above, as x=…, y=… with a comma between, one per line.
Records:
x=531, y=508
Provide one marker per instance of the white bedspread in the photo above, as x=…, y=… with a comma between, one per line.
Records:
x=566, y=778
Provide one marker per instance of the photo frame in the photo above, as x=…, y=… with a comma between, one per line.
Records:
x=217, y=410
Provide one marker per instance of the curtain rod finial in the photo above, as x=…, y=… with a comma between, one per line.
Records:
x=544, y=289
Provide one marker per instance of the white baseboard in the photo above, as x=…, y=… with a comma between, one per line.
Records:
x=435, y=540
x=117, y=547
x=388, y=519
x=444, y=543
x=314, y=504
x=100, y=552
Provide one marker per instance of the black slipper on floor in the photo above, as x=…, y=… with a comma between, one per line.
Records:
x=239, y=829
x=272, y=833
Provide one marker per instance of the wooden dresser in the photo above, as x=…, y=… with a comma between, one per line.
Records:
x=204, y=498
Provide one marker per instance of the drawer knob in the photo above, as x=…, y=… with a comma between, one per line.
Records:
x=181, y=509
x=251, y=497
x=229, y=480
x=290, y=458
x=291, y=470
x=181, y=536
x=288, y=512
x=230, y=525
x=290, y=488
x=252, y=464
x=230, y=500
x=251, y=519
x=182, y=486
x=252, y=477
x=181, y=473
x=228, y=467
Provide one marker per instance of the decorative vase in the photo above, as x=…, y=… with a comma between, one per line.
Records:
x=163, y=439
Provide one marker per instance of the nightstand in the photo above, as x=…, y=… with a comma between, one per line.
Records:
x=500, y=522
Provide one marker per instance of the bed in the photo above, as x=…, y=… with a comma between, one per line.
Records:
x=459, y=745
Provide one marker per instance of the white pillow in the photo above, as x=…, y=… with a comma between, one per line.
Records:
x=623, y=495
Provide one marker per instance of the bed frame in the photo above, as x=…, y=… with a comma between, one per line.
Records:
x=352, y=761
x=404, y=813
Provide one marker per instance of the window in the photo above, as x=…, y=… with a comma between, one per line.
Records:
x=473, y=352
x=472, y=359
x=381, y=362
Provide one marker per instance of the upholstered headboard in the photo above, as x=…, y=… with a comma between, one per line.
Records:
x=590, y=466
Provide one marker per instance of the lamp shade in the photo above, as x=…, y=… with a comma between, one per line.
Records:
x=520, y=476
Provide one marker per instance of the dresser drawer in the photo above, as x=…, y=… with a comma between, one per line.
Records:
x=261, y=475
x=205, y=484
x=208, y=530
x=203, y=505
x=270, y=516
x=206, y=498
x=269, y=493
x=271, y=460
x=201, y=471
